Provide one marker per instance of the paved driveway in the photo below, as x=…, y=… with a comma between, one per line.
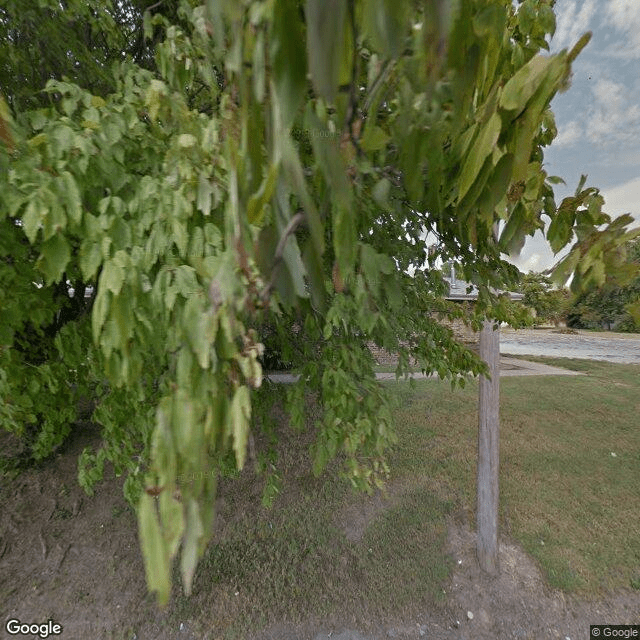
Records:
x=612, y=347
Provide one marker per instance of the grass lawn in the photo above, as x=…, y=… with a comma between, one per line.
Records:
x=571, y=504
x=570, y=465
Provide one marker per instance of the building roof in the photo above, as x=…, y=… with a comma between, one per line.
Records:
x=462, y=290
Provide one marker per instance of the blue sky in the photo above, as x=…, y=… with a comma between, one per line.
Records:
x=598, y=118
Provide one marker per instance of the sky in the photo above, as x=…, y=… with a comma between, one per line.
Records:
x=598, y=118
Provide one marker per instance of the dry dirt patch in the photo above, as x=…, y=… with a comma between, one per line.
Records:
x=518, y=604
x=76, y=560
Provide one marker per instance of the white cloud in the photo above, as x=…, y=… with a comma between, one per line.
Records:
x=625, y=16
x=532, y=263
x=614, y=117
x=624, y=198
x=536, y=254
x=609, y=93
x=573, y=19
x=568, y=134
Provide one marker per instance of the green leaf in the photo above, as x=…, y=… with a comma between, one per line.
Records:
x=374, y=138
x=190, y=550
x=561, y=228
x=72, y=195
x=99, y=312
x=54, y=258
x=521, y=87
x=512, y=236
x=200, y=329
x=374, y=265
x=326, y=27
x=172, y=519
x=380, y=192
x=547, y=19
x=385, y=23
x=294, y=172
x=38, y=140
x=344, y=237
x=154, y=550
x=479, y=152
x=314, y=268
x=490, y=21
x=498, y=183
x=147, y=25
x=203, y=201
x=291, y=254
x=186, y=141
x=186, y=281
x=33, y=217
x=331, y=162
x=112, y=277
x=258, y=70
x=240, y=414
x=259, y=200
x=185, y=421
x=180, y=236
x=581, y=183
x=288, y=59
x=411, y=160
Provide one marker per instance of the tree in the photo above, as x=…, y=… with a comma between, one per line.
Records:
x=279, y=165
x=614, y=304
x=550, y=303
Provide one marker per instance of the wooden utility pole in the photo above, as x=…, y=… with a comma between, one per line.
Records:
x=488, y=451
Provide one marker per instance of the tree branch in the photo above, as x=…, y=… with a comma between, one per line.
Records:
x=155, y=6
x=294, y=223
x=382, y=76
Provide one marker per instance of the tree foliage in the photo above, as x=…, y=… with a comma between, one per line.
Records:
x=278, y=166
x=614, y=305
x=550, y=303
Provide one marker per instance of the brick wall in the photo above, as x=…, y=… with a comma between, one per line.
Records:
x=462, y=333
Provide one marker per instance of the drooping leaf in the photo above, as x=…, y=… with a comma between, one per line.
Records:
x=190, y=549
x=240, y=414
x=385, y=23
x=288, y=59
x=374, y=138
x=521, y=87
x=72, y=194
x=344, y=237
x=54, y=258
x=186, y=140
x=173, y=522
x=90, y=259
x=482, y=147
x=205, y=191
x=326, y=27
x=32, y=218
x=259, y=67
x=154, y=549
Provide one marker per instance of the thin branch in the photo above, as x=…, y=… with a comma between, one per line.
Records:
x=382, y=76
x=355, y=68
x=155, y=6
x=294, y=223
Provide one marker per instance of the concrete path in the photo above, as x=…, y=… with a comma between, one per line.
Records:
x=508, y=367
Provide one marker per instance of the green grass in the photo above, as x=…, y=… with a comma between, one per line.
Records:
x=564, y=497
x=571, y=504
x=295, y=563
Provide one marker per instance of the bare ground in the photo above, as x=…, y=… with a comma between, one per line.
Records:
x=75, y=559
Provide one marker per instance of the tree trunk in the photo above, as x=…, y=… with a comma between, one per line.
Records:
x=488, y=451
